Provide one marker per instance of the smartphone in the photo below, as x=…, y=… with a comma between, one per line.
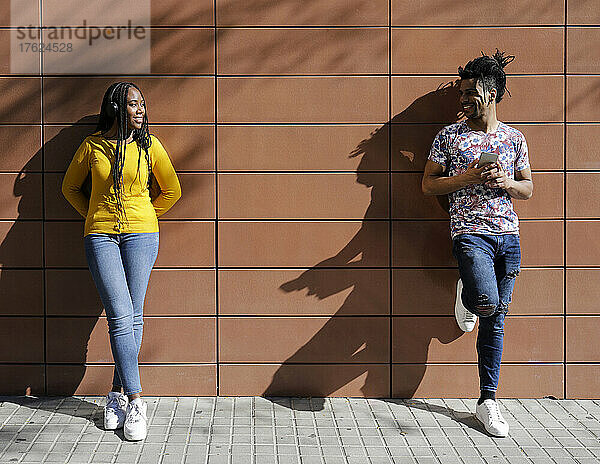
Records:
x=487, y=158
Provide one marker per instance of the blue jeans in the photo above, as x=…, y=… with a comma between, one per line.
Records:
x=488, y=266
x=120, y=265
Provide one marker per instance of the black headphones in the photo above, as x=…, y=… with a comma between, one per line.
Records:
x=112, y=108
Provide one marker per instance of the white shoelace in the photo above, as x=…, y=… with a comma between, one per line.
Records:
x=116, y=402
x=494, y=413
x=135, y=413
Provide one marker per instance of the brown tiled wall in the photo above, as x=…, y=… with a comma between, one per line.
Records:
x=303, y=258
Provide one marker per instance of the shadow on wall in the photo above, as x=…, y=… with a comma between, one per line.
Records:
x=63, y=298
x=412, y=133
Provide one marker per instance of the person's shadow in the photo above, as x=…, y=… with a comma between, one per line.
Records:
x=466, y=418
x=61, y=405
x=63, y=298
x=409, y=135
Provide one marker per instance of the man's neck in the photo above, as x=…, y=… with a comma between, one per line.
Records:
x=486, y=123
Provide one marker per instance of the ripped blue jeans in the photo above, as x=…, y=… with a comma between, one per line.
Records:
x=488, y=266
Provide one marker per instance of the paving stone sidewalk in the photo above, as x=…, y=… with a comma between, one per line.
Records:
x=256, y=430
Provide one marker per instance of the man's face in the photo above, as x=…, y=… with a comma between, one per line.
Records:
x=475, y=103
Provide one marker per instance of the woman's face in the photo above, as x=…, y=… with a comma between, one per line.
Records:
x=136, y=108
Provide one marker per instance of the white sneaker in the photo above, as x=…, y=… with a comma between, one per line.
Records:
x=489, y=415
x=464, y=318
x=136, y=421
x=114, y=411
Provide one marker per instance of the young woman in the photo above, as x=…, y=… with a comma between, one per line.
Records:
x=121, y=233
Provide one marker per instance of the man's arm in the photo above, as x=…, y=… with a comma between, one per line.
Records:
x=520, y=188
x=435, y=183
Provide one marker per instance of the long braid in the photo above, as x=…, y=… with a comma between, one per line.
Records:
x=121, y=146
x=143, y=141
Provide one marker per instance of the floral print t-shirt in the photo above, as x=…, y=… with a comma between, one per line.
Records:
x=477, y=209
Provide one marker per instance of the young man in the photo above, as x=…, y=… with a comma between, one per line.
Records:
x=483, y=223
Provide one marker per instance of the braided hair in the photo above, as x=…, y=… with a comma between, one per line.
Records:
x=489, y=70
x=114, y=107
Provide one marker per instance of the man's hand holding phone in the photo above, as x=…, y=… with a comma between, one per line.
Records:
x=488, y=171
x=474, y=173
x=495, y=176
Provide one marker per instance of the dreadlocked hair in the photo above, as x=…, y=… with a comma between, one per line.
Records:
x=489, y=70
x=117, y=94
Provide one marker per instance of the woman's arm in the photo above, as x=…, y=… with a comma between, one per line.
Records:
x=162, y=168
x=74, y=178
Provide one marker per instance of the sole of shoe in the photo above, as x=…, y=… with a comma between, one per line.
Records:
x=112, y=426
x=458, y=309
x=497, y=435
x=134, y=436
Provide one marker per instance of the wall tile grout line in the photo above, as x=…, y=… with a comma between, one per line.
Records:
x=216, y=239
x=390, y=200
x=408, y=315
x=271, y=267
x=302, y=123
x=293, y=124
x=311, y=220
x=304, y=363
x=43, y=238
x=307, y=172
x=304, y=75
x=308, y=75
x=558, y=25
x=411, y=314
x=565, y=290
